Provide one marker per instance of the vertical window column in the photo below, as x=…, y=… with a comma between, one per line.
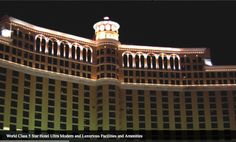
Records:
x=188, y=110
x=201, y=112
x=86, y=107
x=63, y=105
x=26, y=102
x=14, y=97
x=153, y=108
x=3, y=72
x=165, y=110
x=177, y=111
x=234, y=98
x=99, y=107
x=38, y=103
x=213, y=111
x=51, y=103
x=225, y=109
x=112, y=104
x=141, y=109
x=75, y=106
x=129, y=110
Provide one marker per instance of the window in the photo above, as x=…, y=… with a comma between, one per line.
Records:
x=189, y=126
x=178, y=126
x=214, y=125
x=226, y=125
x=166, y=119
x=141, y=118
x=166, y=125
x=129, y=125
x=189, y=113
x=112, y=87
x=86, y=87
x=128, y=91
x=141, y=125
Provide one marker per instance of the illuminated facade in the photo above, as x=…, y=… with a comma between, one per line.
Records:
x=56, y=81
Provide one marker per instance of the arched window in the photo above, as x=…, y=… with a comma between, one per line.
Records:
x=113, y=52
x=89, y=56
x=78, y=53
x=149, y=62
x=43, y=45
x=50, y=47
x=130, y=61
x=108, y=51
x=37, y=44
x=84, y=55
x=153, y=62
x=142, y=61
x=73, y=52
x=160, y=62
x=137, y=61
x=55, y=46
x=165, y=63
x=61, y=49
x=176, y=63
x=125, y=60
x=187, y=59
x=172, y=63
x=67, y=51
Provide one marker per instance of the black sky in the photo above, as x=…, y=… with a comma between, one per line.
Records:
x=176, y=24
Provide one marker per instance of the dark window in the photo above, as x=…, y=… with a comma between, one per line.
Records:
x=13, y=111
x=189, y=126
x=38, y=108
x=86, y=87
x=141, y=125
x=189, y=113
x=37, y=123
x=112, y=87
x=128, y=91
x=166, y=125
x=13, y=119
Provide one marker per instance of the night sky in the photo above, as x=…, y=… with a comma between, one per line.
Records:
x=172, y=24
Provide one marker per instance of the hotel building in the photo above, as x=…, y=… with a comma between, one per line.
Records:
x=51, y=80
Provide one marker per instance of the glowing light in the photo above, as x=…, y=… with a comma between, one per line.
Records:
x=102, y=27
x=208, y=62
x=108, y=27
x=96, y=29
x=6, y=128
x=106, y=18
x=6, y=33
x=100, y=35
x=113, y=28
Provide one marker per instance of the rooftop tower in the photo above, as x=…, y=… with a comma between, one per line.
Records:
x=106, y=29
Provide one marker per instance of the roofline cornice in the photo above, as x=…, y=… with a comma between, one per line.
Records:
x=49, y=32
x=162, y=49
x=220, y=68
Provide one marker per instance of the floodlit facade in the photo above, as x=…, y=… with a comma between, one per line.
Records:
x=51, y=80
